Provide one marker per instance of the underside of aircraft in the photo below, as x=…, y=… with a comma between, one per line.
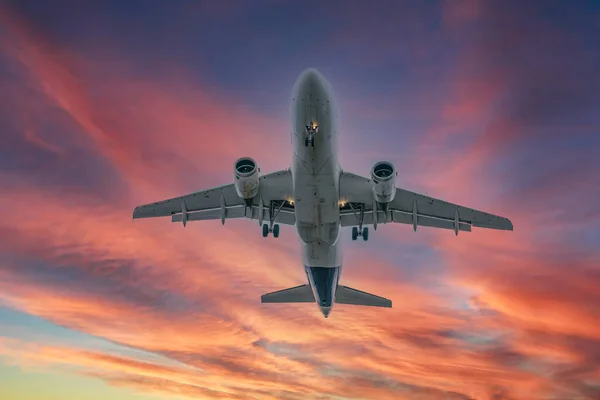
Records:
x=319, y=198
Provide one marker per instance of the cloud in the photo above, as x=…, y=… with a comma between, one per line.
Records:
x=541, y=278
x=112, y=112
x=512, y=315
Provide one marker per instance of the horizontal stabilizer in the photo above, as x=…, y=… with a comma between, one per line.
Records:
x=346, y=295
x=298, y=294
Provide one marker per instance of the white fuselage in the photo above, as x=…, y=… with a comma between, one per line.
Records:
x=316, y=176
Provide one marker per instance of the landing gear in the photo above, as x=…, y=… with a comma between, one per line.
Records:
x=266, y=230
x=360, y=216
x=311, y=131
x=272, y=227
x=356, y=232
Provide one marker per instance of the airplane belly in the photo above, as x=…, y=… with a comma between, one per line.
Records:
x=317, y=209
x=316, y=170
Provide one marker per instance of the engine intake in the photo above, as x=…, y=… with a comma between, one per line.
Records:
x=383, y=177
x=246, y=178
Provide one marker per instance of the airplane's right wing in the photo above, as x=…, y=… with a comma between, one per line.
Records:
x=223, y=202
x=410, y=208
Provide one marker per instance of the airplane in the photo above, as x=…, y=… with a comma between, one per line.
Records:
x=319, y=198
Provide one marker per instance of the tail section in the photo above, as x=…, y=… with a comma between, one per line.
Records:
x=343, y=295
x=298, y=294
x=346, y=295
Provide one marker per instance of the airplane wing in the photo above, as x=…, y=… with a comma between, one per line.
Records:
x=410, y=208
x=222, y=203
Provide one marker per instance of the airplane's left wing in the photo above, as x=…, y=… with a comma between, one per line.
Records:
x=409, y=208
x=223, y=202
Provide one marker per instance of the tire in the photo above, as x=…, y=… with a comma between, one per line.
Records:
x=306, y=142
x=354, y=232
x=365, y=234
x=265, y=230
x=276, y=230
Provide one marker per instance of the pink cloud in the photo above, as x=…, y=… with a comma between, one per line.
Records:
x=190, y=126
x=213, y=322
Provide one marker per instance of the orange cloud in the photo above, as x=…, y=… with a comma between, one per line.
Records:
x=207, y=338
x=191, y=295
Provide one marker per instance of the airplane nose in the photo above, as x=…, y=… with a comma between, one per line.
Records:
x=310, y=81
x=310, y=77
x=326, y=311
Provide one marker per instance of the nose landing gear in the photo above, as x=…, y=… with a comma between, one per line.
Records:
x=311, y=131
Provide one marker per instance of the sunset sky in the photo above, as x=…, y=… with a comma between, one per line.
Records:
x=493, y=105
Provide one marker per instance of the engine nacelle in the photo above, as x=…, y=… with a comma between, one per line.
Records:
x=246, y=178
x=383, y=177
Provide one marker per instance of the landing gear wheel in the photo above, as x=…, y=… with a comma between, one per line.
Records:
x=306, y=142
x=312, y=142
x=354, y=233
x=265, y=230
x=276, y=230
x=365, y=234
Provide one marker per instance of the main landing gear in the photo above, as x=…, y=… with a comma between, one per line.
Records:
x=266, y=230
x=356, y=232
x=272, y=227
x=360, y=216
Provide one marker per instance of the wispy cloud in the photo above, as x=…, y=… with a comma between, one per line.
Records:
x=512, y=316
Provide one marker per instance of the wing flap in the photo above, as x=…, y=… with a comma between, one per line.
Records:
x=213, y=213
x=298, y=294
x=349, y=219
x=285, y=217
x=348, y=295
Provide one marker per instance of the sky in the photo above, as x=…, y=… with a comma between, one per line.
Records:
x=108, y=105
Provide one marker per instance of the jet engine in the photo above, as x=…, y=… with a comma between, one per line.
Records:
x=383, y=177
x=246, y=178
